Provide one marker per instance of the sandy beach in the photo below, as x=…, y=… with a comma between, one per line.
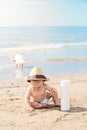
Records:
x=14, y=116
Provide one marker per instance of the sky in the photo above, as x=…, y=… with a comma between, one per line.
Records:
x=43, y=12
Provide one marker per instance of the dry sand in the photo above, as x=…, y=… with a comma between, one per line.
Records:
x=13, y=114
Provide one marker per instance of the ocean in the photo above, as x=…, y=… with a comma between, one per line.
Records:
x=57, y=50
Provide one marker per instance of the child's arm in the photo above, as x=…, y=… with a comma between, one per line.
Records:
x=54, y=94
x=27, y=100
x=51, y=89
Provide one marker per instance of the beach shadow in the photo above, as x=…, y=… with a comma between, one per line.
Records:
x=75, y=109
x=51, y=107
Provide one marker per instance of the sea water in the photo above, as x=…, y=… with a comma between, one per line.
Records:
x=43, y=46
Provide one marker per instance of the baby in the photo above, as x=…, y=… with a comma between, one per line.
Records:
x=38, y=93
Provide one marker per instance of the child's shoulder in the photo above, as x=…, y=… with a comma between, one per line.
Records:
x=46, y=85
x=29, y=87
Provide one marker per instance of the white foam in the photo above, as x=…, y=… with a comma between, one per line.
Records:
x=37, y=47
x=29, y=48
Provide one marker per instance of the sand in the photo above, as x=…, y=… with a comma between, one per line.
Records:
x=14, y=116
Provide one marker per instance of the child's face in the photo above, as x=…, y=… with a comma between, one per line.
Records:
x=37, y=83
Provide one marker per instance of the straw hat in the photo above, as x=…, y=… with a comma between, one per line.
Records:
x=36, y=74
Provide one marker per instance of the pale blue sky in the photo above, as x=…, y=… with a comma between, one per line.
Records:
x=43, y=12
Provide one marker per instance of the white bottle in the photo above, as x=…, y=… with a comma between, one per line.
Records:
x=65, y=95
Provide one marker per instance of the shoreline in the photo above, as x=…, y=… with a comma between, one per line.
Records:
x=13, y=114
x=52, y=66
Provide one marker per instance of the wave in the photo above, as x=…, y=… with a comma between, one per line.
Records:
x=38, y=47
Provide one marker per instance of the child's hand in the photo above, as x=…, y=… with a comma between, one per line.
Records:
x=30, y=109
x=53, y=91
